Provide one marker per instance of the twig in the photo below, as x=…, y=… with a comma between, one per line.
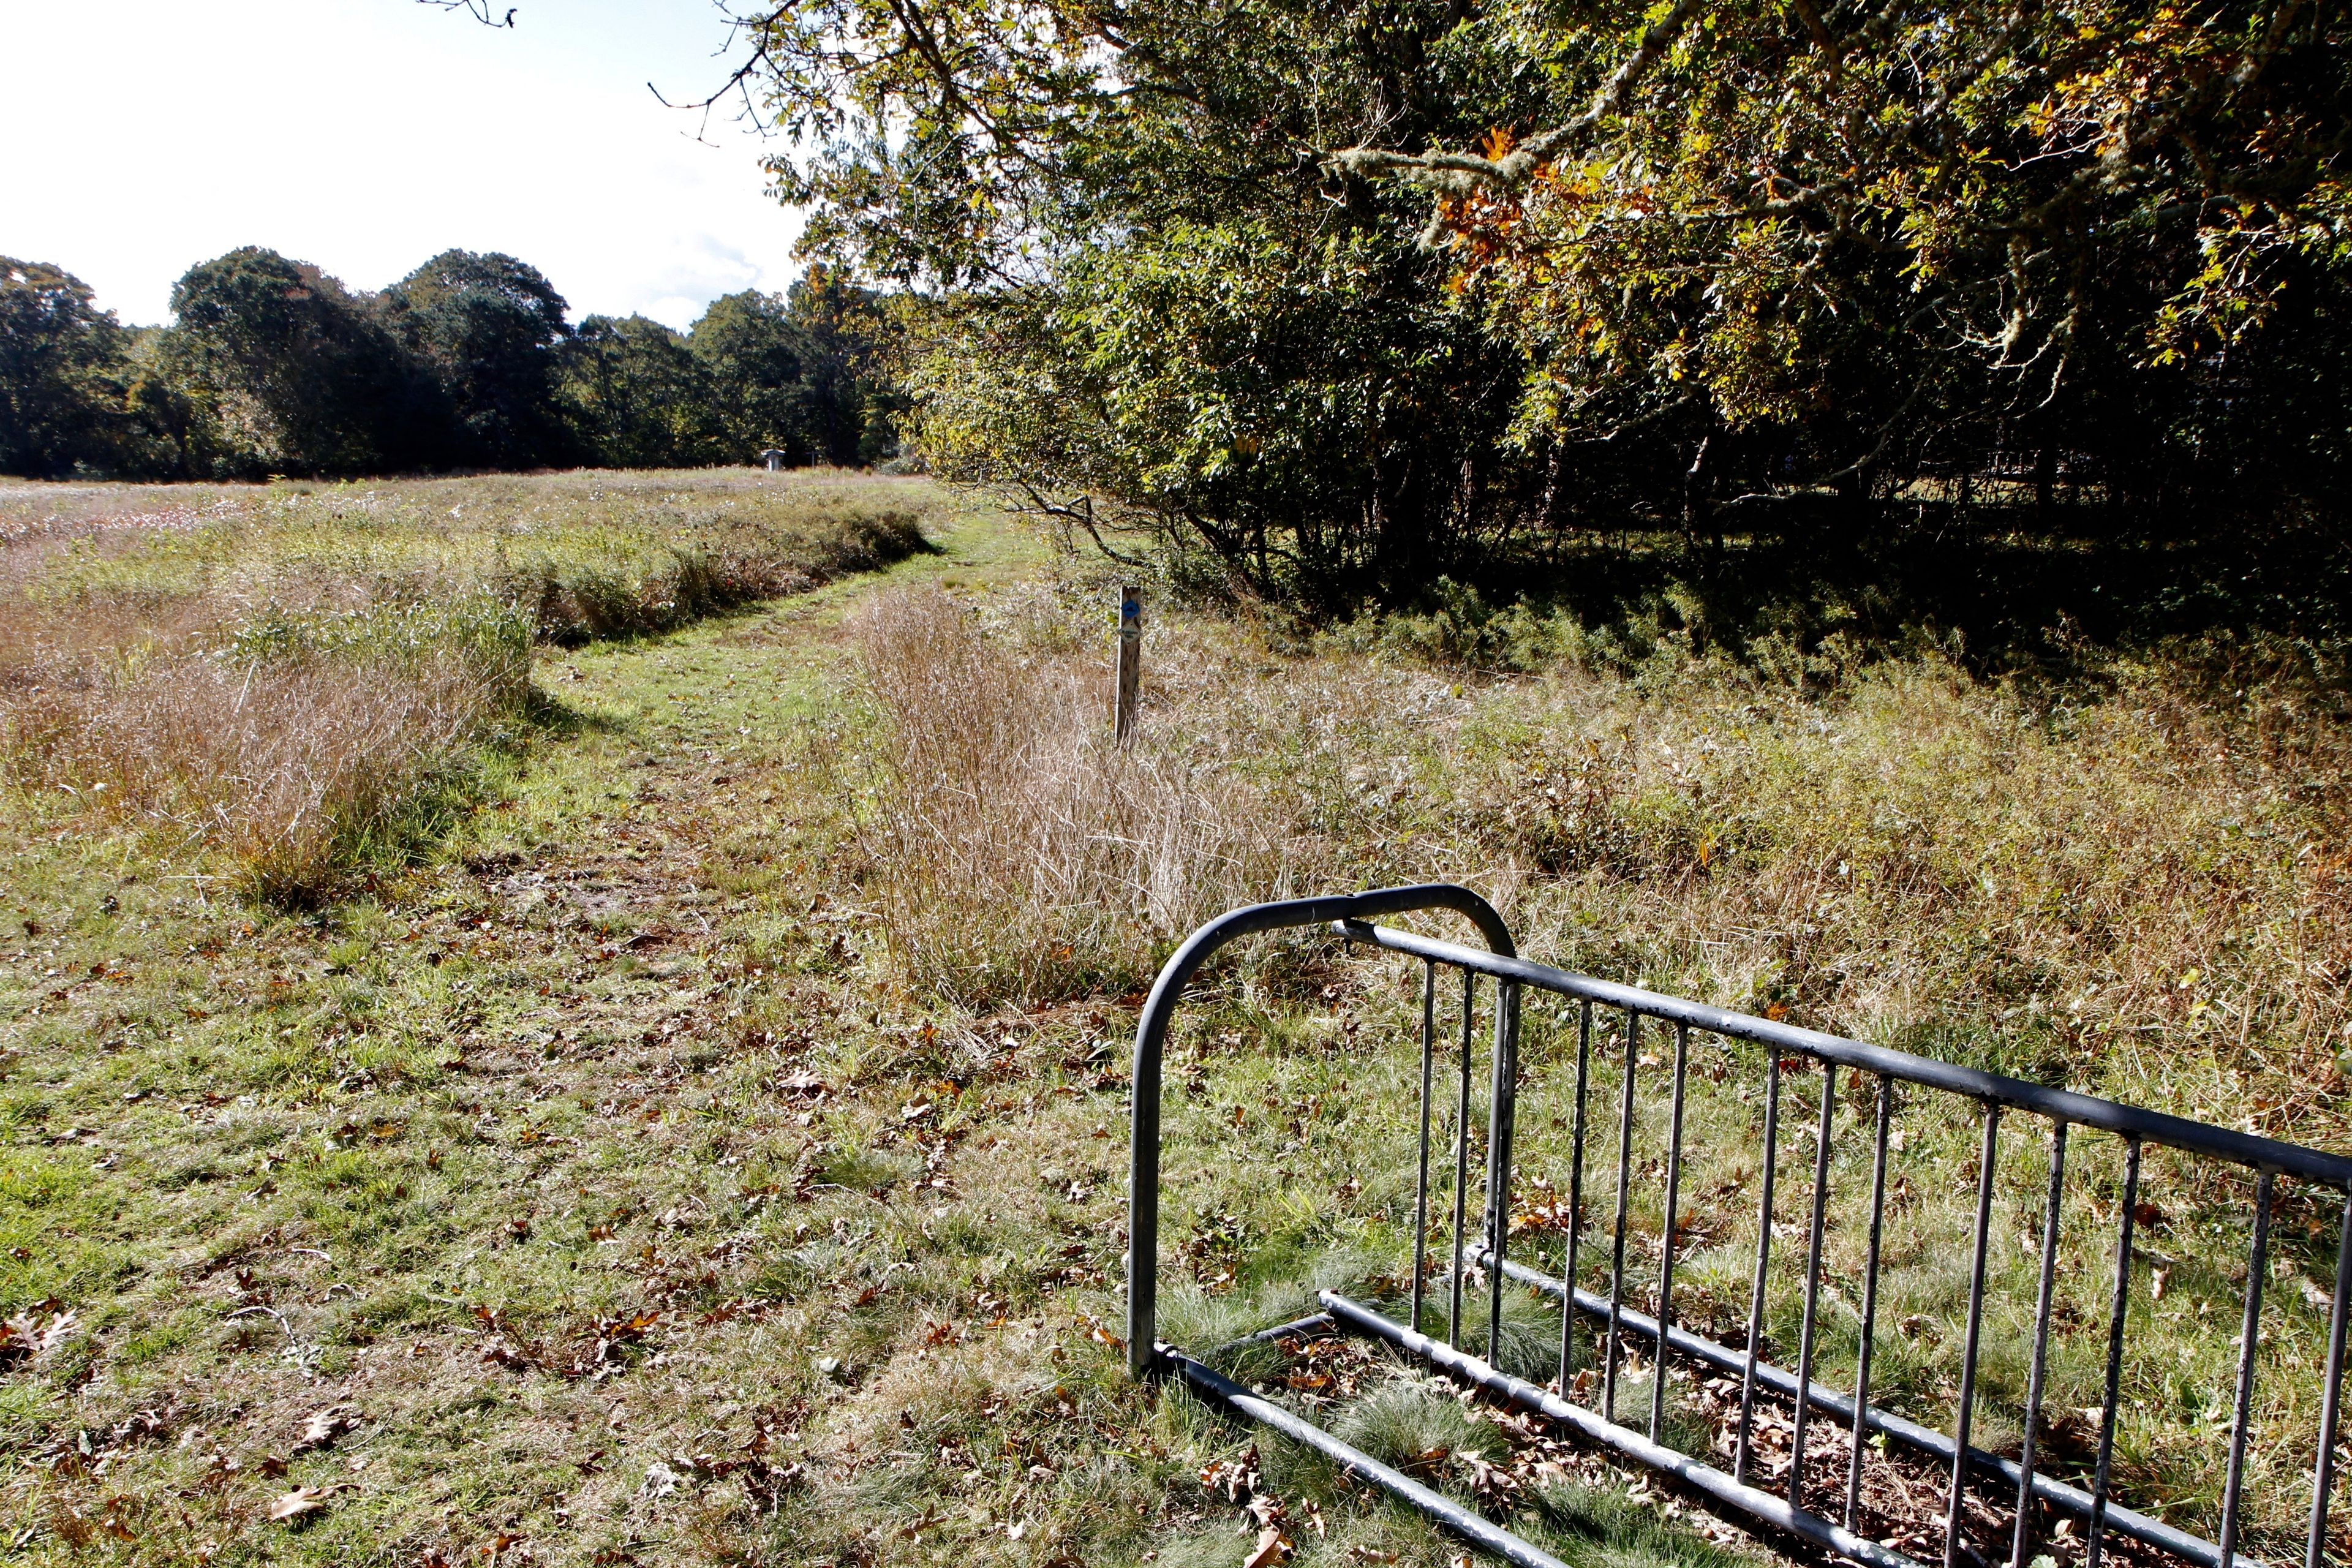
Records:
x=480, y=10
x=272, y=1311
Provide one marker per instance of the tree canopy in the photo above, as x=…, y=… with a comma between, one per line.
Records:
x=274, y=367
x=489, y=326
x=61, y=388
x=1528, y=264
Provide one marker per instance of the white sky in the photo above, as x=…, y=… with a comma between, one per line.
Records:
x=145, y=136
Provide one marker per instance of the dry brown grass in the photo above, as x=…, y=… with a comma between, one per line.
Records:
x=303, y=680
x=2133, y=885
x=1019, y=852
x=294, y=766
x=2136, y=884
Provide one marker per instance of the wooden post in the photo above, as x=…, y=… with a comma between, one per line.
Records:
x=1130, y=657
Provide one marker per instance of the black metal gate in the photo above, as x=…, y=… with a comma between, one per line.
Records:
x=1819, y=1509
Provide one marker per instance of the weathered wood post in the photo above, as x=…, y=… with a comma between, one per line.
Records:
x=1130, y=657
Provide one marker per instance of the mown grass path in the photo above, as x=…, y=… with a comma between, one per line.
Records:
x=589, y=1194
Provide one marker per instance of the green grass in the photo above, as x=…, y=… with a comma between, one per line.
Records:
x=627, y=1035
x=306, y=682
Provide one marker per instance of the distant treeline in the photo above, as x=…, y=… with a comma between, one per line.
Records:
x=273, y=367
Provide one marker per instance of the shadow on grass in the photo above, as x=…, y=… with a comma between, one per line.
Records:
x=2003, y=589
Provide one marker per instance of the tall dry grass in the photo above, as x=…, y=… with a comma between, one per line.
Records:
x=1019, y=852
x=2137, y=884
x=303, y=680
x=298, y=761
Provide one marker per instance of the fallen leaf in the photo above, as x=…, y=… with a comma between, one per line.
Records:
x=322, y=1428
x=300, y=1503
x=1273, y=1547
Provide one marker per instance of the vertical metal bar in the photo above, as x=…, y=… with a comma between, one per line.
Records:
x=2026, y=1506
x=1666, y=1252
x=1502, y=1109
x=1576, y=1196
x=1763, y=1259
x=2096, y=1529
x=1617, y=1247
x=1985, y=1159
x=1812, y=1283
x=1420, y=1186
x=2331, y=1401
x=1869, y=1300
x=2257, y=1266
x=1461, y=1161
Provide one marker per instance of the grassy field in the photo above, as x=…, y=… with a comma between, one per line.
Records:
x=302, y=680
x=681, y=1118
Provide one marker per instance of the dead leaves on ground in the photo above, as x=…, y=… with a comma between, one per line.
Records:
x=1239, y=1480
x=594, y=1353
x=299, y=1504
x=321, y=1427
x=35, y=1331
x=1273, y=1547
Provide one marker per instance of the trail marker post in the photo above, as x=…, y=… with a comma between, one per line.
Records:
x=1130, y=657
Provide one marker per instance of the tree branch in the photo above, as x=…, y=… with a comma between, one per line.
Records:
x=480, y=10
x=1458, y=173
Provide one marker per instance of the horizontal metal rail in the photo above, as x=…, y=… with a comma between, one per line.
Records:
x=1986, y=1088
x=1642, y=1450
x=1214, y=1386
x=1926, y=1440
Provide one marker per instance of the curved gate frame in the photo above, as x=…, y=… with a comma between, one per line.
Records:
x=1151, y=1038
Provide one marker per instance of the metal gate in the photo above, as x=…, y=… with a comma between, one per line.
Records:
x=1816, y=1500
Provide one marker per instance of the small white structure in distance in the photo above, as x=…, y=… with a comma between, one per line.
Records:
x=772, y=459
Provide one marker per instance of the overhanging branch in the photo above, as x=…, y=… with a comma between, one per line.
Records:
x=1458, y=173
x=481, y=11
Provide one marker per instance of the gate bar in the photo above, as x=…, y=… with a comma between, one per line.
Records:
x=1700, y=1477
x=2246, y=1149
x=1926, y=1440
x=1870, y=1294
x=1151, y=1041
x=1222, y=1390
x=1351, y=917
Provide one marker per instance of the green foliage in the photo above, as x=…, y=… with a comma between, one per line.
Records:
x=60, y=364
x=1861, y=244
x=287, y=372
x=637, y=396
x=275, y=368
x=845, y=341
x=489, y=326
x=747, y=347
x=1513, y=267
x=1283, y=404
x=1141, y=293
x=802, y=373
